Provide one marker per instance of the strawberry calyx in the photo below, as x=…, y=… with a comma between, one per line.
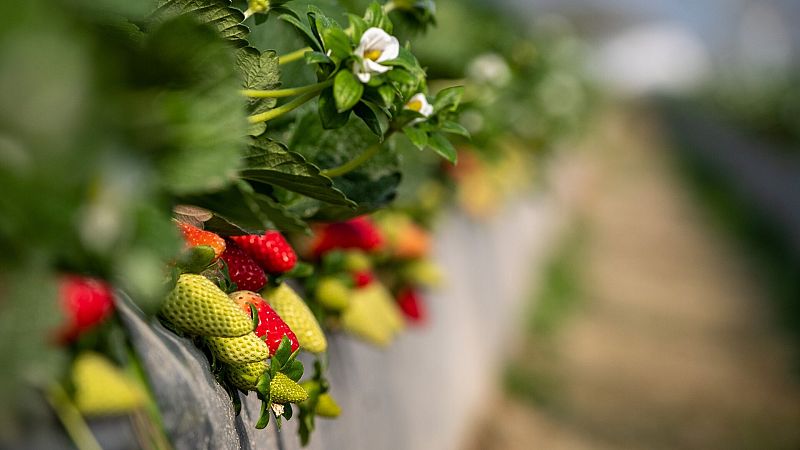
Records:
x=284, y=368
x=194, y=236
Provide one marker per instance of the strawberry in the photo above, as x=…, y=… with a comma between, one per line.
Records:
x=270, y=251
x=197, y=306
x=421, y=272
x=246, y=376
x=411, y=303
x=243, y=270
x=356, y=260
x=283, y=390
x=86, y=302
x=271, y=328
x=294, y=311
x=238, y=350
x=372, y=315
x=101, y=388
x=327, y=406
x=358, y=233
x=195, y=236
x=332, y=293
x=363, y=278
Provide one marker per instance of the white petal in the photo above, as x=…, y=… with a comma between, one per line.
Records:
x=391, y=50
x=375, y=38
x=363, y=75
x=426, y=110
x=374, y=67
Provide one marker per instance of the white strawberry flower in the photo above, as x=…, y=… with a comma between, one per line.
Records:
x=419, y=103
x=376, y=46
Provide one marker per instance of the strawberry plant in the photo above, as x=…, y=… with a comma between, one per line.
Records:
x=218, y=163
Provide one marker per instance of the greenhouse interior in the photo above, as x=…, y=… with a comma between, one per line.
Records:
x=400, y=224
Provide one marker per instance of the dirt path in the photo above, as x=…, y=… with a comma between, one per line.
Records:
x=672, y=346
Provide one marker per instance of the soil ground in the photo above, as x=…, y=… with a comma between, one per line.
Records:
x=664, y=338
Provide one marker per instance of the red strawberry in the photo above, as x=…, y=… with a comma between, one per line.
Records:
x=363, y=278
x=86, y=302
x=270, y=327
x=270, y=251
x=411, y=303
x=359, y=233
x=243, y=270
x=195, y=236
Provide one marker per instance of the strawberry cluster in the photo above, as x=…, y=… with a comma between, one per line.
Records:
x=255, y=336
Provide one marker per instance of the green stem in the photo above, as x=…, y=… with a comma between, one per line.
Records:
x=293, y=56
x=71, y=418
x=249, y=12
x=283, y=109
x=389, y=7
x=288, y=92
x=353, y=163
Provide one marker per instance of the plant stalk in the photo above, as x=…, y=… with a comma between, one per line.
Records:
x=288, y=92
x=283, y=109
x=71, y=418
x=293, y=56
x=354, y=163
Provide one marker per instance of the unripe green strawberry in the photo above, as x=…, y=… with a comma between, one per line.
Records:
x=238, y=350
x=385, y=305
x=363, y=319
x=246, y=376
x=356, y=261
x=283, y=390
x=294, y=311
x=197, y=306
x=332, y=293
x=102, y=388
x=422, y=272
x=372, y=315
x=327, y=406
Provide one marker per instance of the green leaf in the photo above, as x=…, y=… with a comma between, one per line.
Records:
x=240, y=205
x=226, y=19
x=263, y=418
x=387, y=94
x=376, y=17
x=347, y=90
x=305, y=30
x=223, y=227
x=258, y=71
x=283, y=352
x=337, y=43
x=405, y=59
x=294, y=370
x=197, y=126
x=196, y=259
x=403, y=77
x=317, y=58
x=328, y=113
x=287, y=411
x=253, y=315
x=417, y=136
x=358, y=25
x=300, y=270
x=439, y=143
x=371, y=186
x=271, y=162
x=373, y=117
x=448, y=99
x=451, y=127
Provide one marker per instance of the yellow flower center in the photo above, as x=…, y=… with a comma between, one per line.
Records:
x=373, y=54
x=414, y=105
